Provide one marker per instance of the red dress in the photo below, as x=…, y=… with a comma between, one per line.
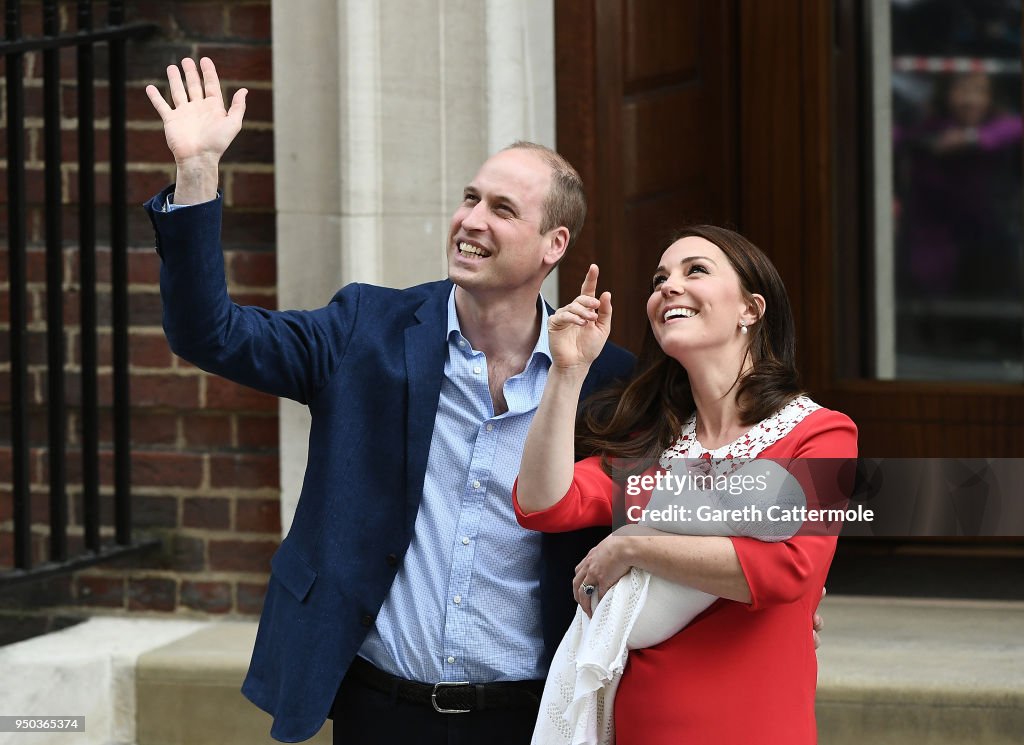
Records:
x=738, y=674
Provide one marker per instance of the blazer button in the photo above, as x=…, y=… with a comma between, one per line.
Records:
x=367, y=620
x=392, y=560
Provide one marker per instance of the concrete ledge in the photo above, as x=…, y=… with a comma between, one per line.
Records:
x=894, y=671
x=188, y=691
x=86, y=670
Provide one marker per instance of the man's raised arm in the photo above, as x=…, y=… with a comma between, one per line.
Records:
x=198, y=128
x=285, y=353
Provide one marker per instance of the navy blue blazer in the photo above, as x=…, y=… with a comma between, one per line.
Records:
x=369, y=367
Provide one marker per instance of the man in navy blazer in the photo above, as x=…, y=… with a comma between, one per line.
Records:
x=404, y=546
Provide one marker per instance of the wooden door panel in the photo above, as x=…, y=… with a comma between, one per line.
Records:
x=660, y=143
x=903, y=419
x=650, y=223
x=659, y=39
x=888, y=438
x=653, y=135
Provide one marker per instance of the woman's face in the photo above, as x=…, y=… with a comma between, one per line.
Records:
x=696, y=301
x=970, y=97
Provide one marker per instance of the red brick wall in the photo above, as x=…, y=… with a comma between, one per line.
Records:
x=205, y=459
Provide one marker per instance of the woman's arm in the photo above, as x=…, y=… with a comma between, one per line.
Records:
x=577, y=333
x=706, y=563
x=545, y=473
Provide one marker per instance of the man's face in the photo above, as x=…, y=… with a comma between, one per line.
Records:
x=495, y=242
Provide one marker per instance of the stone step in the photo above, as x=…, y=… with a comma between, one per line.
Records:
x=188, y=691
x=85, y=670
x=891, y=671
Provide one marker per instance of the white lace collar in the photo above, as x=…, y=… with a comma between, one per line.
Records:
x=748, y=445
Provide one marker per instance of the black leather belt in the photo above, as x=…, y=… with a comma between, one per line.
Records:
x=449, y=698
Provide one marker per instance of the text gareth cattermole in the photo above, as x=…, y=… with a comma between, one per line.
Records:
x=750, y=514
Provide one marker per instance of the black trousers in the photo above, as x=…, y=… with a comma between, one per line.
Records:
x=363, y=716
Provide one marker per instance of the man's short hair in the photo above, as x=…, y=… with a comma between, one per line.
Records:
x=566, y=202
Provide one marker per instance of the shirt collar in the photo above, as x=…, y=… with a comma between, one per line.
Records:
x=542, y=347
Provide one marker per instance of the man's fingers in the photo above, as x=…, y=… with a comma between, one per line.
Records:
x=237, y=110
x=211, y=83
x=590, y=283
x=158, y=101
x=178, y=95
x=193, y=83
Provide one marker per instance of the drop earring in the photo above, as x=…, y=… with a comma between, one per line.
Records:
x=743, y=327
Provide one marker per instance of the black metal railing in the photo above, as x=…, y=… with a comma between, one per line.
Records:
x=115, y=33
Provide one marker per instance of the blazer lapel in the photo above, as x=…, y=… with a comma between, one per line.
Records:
x=425, y=351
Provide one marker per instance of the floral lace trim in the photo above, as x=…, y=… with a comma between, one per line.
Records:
x=748, y=445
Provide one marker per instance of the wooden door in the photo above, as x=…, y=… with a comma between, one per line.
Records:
x=646, y=107
x=726, y=112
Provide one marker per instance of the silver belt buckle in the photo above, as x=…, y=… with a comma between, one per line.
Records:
x=433, y=699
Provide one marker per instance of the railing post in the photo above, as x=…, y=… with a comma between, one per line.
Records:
x=16, y=240
x=87, y=284
x=57, y=413
x=119, y=277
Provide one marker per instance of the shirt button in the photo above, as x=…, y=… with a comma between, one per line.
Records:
x=462, y=343
x=392, y=560
x=477, y=369
x=476, y=484
x=367, y=620
x=457, y=599
x=451, y=660
x=490, y=427
x=465, y=541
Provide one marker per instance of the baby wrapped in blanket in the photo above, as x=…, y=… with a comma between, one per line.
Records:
x=642, y=610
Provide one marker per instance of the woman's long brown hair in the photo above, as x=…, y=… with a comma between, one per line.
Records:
x=637, y=419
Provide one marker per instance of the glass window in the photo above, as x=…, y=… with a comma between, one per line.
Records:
x=948, y=277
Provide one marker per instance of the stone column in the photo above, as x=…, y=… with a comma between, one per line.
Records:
x=383, y=111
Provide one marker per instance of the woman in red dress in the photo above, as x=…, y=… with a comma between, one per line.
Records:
x=716, y=378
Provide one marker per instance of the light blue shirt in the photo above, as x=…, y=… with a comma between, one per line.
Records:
x=465, y=605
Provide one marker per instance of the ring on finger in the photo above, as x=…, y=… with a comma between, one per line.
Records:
x=588, y=589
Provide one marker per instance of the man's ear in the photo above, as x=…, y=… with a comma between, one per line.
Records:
x=558, y=242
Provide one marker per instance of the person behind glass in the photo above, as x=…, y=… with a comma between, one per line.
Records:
x=406, y=601
x=716, y=378
x=958, y=185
